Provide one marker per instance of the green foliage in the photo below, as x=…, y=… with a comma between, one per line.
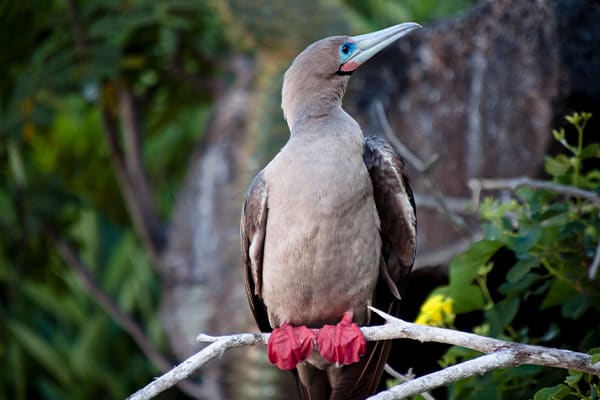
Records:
x=537, y=250
x=381, y=13
x=56, y=339
x=63, y=66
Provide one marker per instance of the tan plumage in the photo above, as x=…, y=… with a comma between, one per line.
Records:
x=328, y=226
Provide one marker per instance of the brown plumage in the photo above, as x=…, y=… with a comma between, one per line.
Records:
x=328, y=226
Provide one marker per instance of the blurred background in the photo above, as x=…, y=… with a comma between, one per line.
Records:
x=129, y=131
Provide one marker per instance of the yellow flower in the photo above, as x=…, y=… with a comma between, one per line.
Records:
x=436, y=311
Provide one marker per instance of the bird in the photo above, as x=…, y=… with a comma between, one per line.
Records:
x=328, y=228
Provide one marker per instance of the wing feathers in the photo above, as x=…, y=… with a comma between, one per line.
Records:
x=253, y=230
x=395, y=205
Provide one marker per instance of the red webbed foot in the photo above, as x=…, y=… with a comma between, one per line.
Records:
x=289, y=345
x=343, y=343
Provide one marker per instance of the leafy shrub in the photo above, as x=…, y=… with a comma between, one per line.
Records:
x=530, y=278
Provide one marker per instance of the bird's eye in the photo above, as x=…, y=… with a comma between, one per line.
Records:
x=346, y=50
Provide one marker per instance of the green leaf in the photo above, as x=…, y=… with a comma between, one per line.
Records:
x=557, y=392
x=550, y=211
x=522, y=268
x=590, y=151
x=81, y=355
x=520, y=285
x=559, y=292
x=466, y=299
x=573, y=119
x=559, y=134
x=574, y=307
x=557, y=166
x=573, y=379
x=65, y=307
x=593, y=177
x=571, y=231
x=17, y=168
x=595, y=353
x=464, y=267
x=527, y=237
x=502, y=314
x=40, y=350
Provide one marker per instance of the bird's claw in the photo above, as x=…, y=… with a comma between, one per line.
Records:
x=342, y=344
x=289, y=345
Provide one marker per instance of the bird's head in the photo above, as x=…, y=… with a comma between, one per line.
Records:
x=318, y=76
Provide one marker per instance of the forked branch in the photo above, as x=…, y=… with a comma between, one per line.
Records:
x=500, y=354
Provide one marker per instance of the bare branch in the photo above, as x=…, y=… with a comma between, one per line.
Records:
x=527, y=354
x=136, y=173
x=71, y=258
x=404, y=151
x=477, y=185
x=134, y=187
x=502, y=354
x=476, y=366
x=457, y=205
x=215, y=350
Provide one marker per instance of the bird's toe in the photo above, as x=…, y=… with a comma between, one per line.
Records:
x=289, y=345
x=343, y=343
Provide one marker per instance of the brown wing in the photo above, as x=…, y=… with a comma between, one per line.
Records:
x=395, y=205
x=396, y=208
x=252, y=230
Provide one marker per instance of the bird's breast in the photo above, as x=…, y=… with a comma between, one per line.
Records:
x=322, y=247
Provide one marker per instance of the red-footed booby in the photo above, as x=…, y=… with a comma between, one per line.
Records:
x=328, y=228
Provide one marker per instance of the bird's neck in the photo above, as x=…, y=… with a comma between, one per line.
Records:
x=333, y=121
x=303, y=100
x=309, y=112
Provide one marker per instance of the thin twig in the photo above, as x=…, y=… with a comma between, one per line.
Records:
x=142, y=213
x=504, y=353
x=457, y=205
x=477, y=185
x=71, y=258
x=400, y=147
x=132, y=139
x=405, y=378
